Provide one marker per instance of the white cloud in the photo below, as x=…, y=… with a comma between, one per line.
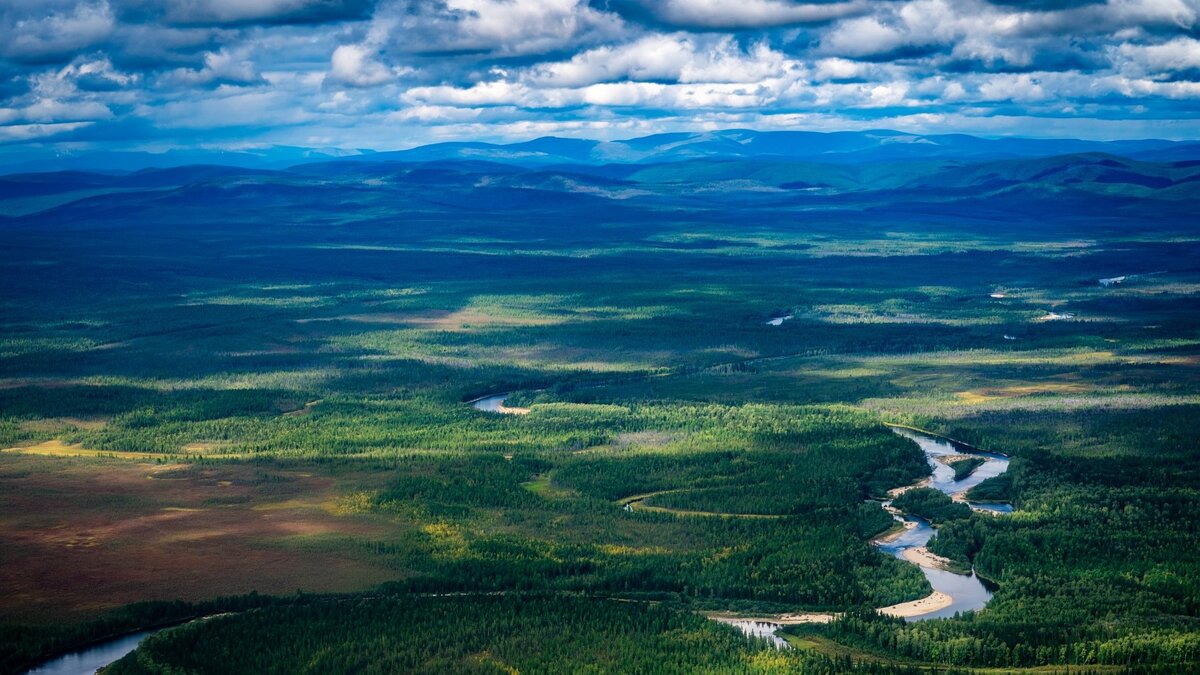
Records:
x=223, y=67
x=55, y=99
x=439, y=114
x=53, y=34
x=1006, y=87
x=864, y=36
x=677, y=96
x=482, y=94
x=474, y=65
x=750, y=13
x=231, y=107
x=1179, y=54
x=839, y=69
x=33, y=132
x=679, y=57
x=1180, y=13
x=498, y=27
x=52, y=110
x=356, y=65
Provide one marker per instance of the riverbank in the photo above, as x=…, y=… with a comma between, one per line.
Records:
x=953, y=589
x=896, y=492
x=789, y=619
x=956, y=588
x=933, y=434
x=933, y=602
x=901, y=528
x=922, y=557
x=495, y=404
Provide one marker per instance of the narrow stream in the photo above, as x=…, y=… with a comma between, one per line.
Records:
x=954, y=593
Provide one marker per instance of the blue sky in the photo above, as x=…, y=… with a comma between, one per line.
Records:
x=388, y=74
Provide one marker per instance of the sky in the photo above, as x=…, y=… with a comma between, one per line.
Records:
x=391, y=74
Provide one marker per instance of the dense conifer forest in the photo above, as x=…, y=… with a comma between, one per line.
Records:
x=251, y=398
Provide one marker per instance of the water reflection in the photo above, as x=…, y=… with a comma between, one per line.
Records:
x=88, y=661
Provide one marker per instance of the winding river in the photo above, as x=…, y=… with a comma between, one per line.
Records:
x=937, y=449
x=953, y=592
x=88, y=661
x=965, y=592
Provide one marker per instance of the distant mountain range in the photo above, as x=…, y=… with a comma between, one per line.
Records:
x=850, y=147
x=885, y=174
x=273, y=157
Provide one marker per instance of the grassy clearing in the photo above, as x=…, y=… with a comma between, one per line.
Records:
x=57, y=448
x=86, y=535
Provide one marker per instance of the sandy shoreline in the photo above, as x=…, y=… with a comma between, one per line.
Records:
x=505, y=410
x=930, y=603
x=893, y=536
x=916, y=555
x=921, y=557
x=947, y=459
x=780, y=619
x=924, y=482
x=500, y=407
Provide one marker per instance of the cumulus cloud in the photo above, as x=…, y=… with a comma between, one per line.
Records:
x=674, y=58
x=355, y=65
x=839, y=69
x=57, y=33
x=220, y=68
x=748, y=13
x=1023, y=88
x=868, y=36
x=334, y=69
x=1181, y=54
x=496, y=27
x=97, y=75
x=61, y=101
x=208, y=12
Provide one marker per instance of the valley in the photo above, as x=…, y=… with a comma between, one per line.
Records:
x=588, y=404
